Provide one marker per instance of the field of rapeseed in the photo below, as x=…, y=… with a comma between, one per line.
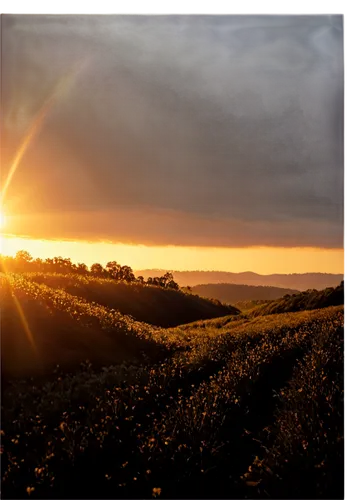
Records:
x=233, y=407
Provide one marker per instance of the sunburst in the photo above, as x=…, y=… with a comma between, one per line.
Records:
x=30, y=135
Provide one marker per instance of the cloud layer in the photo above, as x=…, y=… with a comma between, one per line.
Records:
x=187, y=130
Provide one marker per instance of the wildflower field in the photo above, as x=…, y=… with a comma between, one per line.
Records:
x=239, y=406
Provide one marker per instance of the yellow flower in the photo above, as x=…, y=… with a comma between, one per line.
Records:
x=29, y=490
x=62, y=426
x=156, y=492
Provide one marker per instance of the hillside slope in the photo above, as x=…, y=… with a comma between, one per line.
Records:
x=243, y=409
x=308, y=300
x=42, y=327
x=150, y=304
x=295, y=281
x=227, y=292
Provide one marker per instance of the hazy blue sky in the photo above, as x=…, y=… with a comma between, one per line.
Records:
x=185, y=130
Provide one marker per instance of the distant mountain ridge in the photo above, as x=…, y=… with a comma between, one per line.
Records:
x=295, y=281
x=232, y=293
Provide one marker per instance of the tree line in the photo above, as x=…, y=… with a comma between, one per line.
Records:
x=24, y=262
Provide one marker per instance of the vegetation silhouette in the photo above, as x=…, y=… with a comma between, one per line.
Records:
x=241, y=405
x=294, y=281
x=23, y=262
x=308, y=300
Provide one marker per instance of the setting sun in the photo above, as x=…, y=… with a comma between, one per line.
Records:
x=172, y=256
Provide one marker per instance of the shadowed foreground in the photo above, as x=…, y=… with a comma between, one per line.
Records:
x=232, y=407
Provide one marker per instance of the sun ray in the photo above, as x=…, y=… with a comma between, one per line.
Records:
x=21, y=313
x=39, y=119
x=30, y=135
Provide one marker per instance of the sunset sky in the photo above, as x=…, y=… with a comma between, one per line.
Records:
x=183, y=142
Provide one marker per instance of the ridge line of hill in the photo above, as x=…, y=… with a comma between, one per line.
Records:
x=296, y=281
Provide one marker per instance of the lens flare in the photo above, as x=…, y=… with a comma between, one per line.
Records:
x=32, y=131
x=39, y=119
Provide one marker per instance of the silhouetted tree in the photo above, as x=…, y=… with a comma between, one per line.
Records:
x=126, y=274
x=22, y=256
x=98, y=270
x=172, y=284
x=64, y=264
x=168, y=281
x=59, y=265
x=23, y=262
x=113, y=269
x=81, y=268
x=165, y=281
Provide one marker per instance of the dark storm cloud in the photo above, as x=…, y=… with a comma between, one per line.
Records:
x=153, y=227
x=231, y=119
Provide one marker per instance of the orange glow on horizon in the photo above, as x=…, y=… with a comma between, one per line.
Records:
x=263, y=260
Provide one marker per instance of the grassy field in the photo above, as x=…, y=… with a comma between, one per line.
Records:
x=229, y=407
x=303, y=301
x=150, y=304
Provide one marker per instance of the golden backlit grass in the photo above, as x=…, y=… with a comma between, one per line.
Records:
x=146, y=303
x=307, y=300
x=184, y=414
x=308, y=433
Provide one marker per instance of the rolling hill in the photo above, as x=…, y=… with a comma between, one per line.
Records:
x=227, y=292
x=49, y=319
x=300, y=282
x=150, y=304
x=303, y=301
x=238, y=406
